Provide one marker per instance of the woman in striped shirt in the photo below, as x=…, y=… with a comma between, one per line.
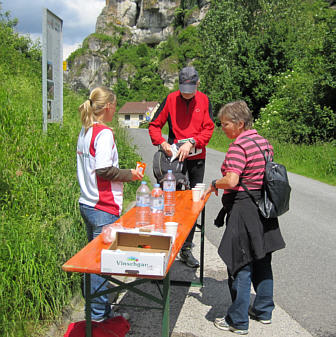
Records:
x=249, y=239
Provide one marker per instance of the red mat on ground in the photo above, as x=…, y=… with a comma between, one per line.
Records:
x=113, y=327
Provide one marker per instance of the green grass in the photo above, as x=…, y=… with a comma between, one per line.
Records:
x=41, y=227
x=313, y=161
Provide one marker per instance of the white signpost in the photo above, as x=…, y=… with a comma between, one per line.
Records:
x=52, y=69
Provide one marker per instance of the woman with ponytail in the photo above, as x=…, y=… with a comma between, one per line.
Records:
x=99, y=177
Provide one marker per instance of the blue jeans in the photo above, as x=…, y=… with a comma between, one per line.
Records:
x=95, y=220
x=259, y=272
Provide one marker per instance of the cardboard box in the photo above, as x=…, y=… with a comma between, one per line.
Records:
x=137, y=253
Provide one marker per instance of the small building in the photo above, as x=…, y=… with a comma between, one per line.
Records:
x=132, y=114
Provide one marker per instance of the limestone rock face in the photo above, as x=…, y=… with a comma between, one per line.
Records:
x=149, y=21
x=169, y=72
x=131, y=21
x=198, y=14
x=88, y=72
x=91, y=68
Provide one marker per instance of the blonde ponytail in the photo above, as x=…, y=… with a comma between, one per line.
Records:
x=92, y=109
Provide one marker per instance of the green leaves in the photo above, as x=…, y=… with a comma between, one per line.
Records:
x=251, y=47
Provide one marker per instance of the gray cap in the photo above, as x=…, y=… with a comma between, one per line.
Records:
x=188, y=79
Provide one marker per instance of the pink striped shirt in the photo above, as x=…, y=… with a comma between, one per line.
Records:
x=245, y=159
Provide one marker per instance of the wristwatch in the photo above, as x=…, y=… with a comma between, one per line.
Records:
x=192, y=141
x=213, y=183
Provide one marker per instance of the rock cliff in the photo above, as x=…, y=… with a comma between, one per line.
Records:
x=131, y=21
x=149, y=21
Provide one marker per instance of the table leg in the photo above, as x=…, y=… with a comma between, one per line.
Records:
x=202, y=246
x=165, y=316
x=87, y=292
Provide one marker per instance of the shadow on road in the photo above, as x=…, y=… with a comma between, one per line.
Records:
x=147, y=322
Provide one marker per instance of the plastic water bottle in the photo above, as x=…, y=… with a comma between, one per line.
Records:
x=169, y=188
x=142, y=205
x=157, y=202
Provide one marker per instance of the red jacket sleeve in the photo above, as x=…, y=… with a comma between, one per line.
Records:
x=203, y=138
x=157, y=123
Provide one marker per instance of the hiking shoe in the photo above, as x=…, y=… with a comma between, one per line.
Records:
x=222, y=324
x=101, y=319
x=187, y=257
x=254, y=316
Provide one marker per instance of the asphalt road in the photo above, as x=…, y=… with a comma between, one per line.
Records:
x=305, y=271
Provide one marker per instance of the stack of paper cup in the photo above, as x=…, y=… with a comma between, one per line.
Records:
x=196, y=194
x=202, y=187
x=171, y=228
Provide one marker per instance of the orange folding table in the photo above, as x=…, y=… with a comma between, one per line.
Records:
x=88, y=260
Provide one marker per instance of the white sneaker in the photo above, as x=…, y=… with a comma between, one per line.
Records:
x=254, y=316
x=126, y=315
x=222, y=324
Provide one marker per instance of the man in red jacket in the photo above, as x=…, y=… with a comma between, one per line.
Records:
x=189, y=115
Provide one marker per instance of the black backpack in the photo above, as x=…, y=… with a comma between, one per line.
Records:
x=276, y=189
x=161, y=165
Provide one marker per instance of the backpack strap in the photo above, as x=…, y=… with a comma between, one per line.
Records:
x=247, y=191
x=266, y=160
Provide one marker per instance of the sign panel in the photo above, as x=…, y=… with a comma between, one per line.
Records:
x=52, y=68
x=148, y=114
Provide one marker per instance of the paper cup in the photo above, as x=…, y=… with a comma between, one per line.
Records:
x=171, y=228
x=202, y=187
x=196, y=194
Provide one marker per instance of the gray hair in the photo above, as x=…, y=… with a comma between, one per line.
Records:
x=237, y=111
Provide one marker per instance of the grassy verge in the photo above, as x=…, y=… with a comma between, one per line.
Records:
x=313, y=161
x=41, y=227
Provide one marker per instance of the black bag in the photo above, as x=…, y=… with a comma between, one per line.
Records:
x=276, y=189
x=161, y=165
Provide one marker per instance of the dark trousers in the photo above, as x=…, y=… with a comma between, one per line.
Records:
x=195, y=170
x=259, y=272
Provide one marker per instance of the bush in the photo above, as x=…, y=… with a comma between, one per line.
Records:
x=249, y=51
x=293, y=114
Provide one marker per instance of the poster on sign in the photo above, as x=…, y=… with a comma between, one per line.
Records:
x=52, y=68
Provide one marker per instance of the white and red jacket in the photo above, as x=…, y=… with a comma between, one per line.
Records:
x=186, y=119
x=96, y=149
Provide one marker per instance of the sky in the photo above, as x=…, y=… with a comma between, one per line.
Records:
x=79, y=18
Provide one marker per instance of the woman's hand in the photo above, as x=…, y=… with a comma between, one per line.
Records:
x=210, y=190
x=137, y=174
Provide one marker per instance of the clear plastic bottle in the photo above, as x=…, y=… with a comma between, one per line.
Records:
x=157, y=202
x=169, y=188
x=143, y=205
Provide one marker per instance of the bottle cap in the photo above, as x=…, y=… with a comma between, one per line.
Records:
x=169, y=171
x=156, y=185
x=144, y=182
